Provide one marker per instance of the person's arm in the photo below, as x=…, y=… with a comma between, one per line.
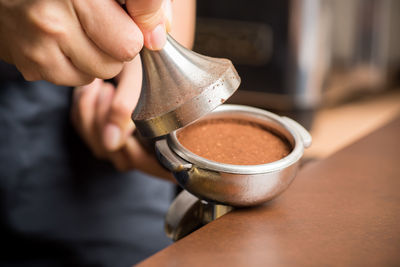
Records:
x=102, y=113
x=71, y=42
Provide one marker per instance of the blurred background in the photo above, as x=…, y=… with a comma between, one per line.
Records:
x=333, y=65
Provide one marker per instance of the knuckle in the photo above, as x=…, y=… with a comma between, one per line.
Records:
x=143, y=8
x=48, y=18
x=133, y=46
x=82, y=80
x=149, y=19
x=112, y=70
x=77, y=80
x=37, y=56
x=121, y=109
x=57, y=73
x=46, y=74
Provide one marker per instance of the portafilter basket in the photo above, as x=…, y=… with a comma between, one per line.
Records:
x=236, y=185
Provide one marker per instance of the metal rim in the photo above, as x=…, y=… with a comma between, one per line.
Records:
x=293, y=157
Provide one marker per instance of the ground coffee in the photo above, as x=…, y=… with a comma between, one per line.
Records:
x=233, y=141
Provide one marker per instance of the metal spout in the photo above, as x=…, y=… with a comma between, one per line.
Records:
x=179, y=87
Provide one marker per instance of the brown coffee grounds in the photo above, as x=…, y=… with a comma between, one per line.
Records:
x=233, y=141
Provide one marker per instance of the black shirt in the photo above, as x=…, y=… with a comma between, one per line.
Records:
x=58, y=204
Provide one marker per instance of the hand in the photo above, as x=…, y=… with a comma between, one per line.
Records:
x=153, y=18
x=101, y=114
x=71, y=42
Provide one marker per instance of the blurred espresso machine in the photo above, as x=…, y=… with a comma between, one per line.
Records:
x=297, y=55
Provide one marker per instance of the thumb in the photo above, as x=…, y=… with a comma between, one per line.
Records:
x=118, y=125
x=150, y=16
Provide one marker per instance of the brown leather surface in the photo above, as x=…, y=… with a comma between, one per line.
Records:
x=340, y=211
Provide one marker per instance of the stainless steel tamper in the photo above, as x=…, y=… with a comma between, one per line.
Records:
x=179, y=87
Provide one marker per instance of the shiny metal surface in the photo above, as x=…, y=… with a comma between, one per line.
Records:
x=179, y=87
x=236, y=185
x=332, y=59
x=187, y=213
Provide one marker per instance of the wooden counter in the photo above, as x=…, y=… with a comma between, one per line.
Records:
x=340, y=211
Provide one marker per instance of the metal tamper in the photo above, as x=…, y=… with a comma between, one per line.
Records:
x=179, y=87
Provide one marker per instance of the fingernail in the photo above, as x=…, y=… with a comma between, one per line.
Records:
x=157, y=37
x=112, y=136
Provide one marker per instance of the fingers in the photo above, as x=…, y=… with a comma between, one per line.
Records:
x=151, y=19
x=119, y=124
x=110, y=27
x=103, y=106
x=93, y=38
x=83, y=113
x=87, y=57
x=91, y=105
x=104, y=113
x=47, y=62
x=90, y=112
x=59, y=70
